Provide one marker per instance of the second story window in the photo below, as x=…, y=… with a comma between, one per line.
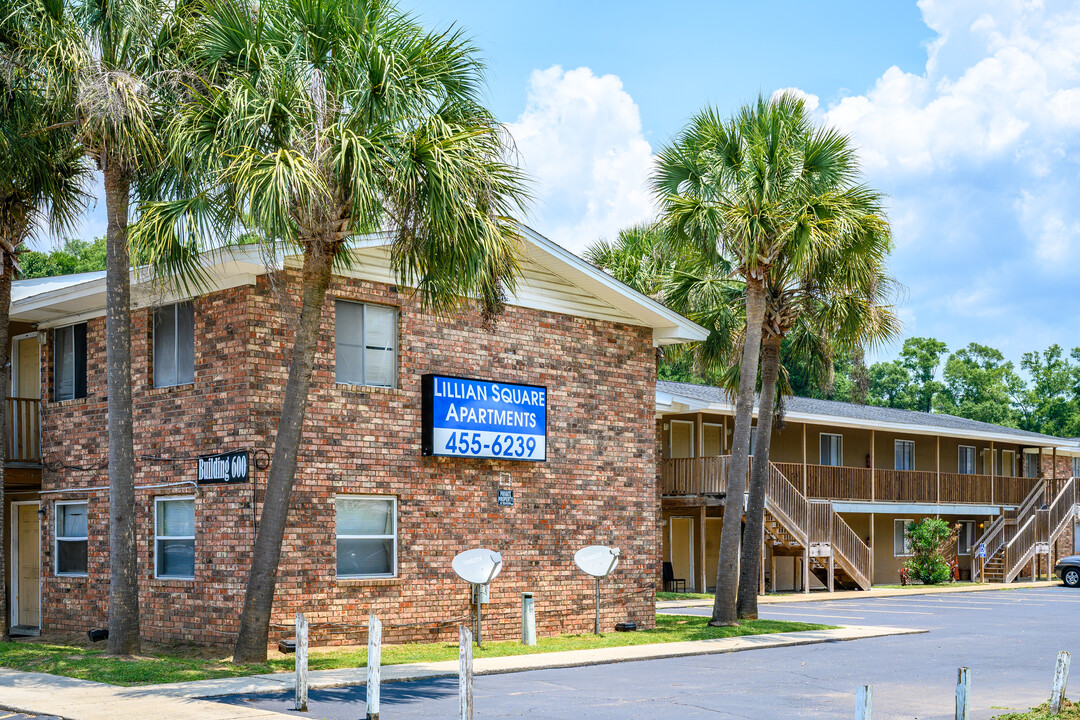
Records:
x=903, y=455
x=365, y=344
x=832, y=450
x=69, y=362
x=965, y=461
x=174, y=345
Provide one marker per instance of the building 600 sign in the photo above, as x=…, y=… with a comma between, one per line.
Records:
x=483, y=419
x=226, y=468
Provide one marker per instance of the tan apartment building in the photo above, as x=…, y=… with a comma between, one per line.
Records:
x=844, y=481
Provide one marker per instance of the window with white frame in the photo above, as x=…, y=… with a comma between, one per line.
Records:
x=1076, y=467
x=901, y=542
x=366, y=536
x=71, y=538
x=365, y=344
x=832, y=449
x=903, y=455
x=1031, y=465
x=174, y=345
x=965, y=461
x=174, y=538
x=69, y=362
x=966, y=537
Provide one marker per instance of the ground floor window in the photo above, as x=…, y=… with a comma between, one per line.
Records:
x=71, y=538
x=901, y=543
x=966, y=537
x=174, y=538
x=366, y=536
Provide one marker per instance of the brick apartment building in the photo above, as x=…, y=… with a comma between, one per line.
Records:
x=374, y=522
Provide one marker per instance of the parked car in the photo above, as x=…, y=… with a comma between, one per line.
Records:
x=1068, y=569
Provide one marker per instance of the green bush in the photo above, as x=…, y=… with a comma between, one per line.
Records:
x=927, y=564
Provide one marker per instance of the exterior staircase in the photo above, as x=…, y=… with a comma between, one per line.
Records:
x=795, y=526
x=1017, y=537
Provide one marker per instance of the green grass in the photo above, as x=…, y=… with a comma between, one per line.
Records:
x=683, y=596
x=177, y=664
x=1069, y=711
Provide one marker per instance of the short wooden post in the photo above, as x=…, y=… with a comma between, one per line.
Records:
x=301, y=662
x=1061, y=678
x=465, y=705
x=806, y=570
x=374, y=666
x=963, y=693
x=864, y=702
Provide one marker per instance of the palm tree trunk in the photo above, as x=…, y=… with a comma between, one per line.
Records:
x=6, y=276
x=759, y=473
x=124, y=627
x=258, y=601
x=727, y=571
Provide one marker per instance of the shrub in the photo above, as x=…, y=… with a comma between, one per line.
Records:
x=927, y=564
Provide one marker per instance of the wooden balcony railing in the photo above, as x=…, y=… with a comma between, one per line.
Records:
x=694, y=476
x=689, y=476
x=24, y=430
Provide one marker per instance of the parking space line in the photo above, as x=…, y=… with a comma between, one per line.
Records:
x=815, y=615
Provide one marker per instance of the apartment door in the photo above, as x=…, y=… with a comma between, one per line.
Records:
x=25, y=367
x=26, y=565
x=682, y=549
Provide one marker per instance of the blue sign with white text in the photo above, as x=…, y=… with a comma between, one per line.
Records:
x=483, y=419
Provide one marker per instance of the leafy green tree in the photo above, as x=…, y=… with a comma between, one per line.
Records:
x=848, y=380
x=748, y=192
x=980, y=385
x=312, y=122
x=1050, y=404
x=909, y=382
x=925, y=537
x=75, y=256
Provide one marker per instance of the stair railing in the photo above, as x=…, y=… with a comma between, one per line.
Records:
x=784, y=501
x=850, y=548
x=1004, y=529
x=1020, y=549
x=1061, y=510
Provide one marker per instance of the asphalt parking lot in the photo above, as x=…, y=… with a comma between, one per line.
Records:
x=1009, y=639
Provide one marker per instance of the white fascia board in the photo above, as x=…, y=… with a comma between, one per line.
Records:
x=861, y=424
x=669, y=327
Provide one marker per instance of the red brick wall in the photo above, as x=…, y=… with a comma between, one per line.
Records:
x=598, y=485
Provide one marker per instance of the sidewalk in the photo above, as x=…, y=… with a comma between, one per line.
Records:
x=822, y=595
x=85, y=700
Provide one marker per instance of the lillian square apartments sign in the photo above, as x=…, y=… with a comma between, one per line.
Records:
x=483, y=419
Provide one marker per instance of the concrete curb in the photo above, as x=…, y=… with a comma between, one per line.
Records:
x=864, y=594
x=281, y=682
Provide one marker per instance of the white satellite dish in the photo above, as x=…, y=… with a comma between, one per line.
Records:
x=597, y=560
x=477, y=567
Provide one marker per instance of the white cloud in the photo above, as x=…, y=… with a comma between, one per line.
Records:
x=809, y=99
x=580, y=138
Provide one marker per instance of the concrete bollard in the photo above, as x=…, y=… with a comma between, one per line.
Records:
x=374, y=666
x=864, y=702
x=465, y=674
x=1061, y=679
x=528, y=619
x=301, y=662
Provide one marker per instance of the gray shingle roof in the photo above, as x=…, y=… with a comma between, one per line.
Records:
x=870, y=413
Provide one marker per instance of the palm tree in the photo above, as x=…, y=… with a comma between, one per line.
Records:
x=101, y=61
x=762, y=186
x=843, y=304
x=41, y=187
x=309, y=123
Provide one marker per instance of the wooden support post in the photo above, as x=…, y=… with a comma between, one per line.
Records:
x=465, y=674
x=937, y=470
x=873, y=463
x=872, y=548
x=772, y=572
x=991, y=471
x=374, y=666
x=804, y=460
x=963, y=693
x=702, y=574
x=864, y=702
x=832, y=570
x=301, y=662
x=761, y=574
x=1053, y=466
x=1061, y=679
x=806, y=570
x=723, y=438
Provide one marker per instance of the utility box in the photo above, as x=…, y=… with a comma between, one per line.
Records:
x=482, y=594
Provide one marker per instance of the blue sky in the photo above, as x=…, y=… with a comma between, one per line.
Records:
x=967, y=114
